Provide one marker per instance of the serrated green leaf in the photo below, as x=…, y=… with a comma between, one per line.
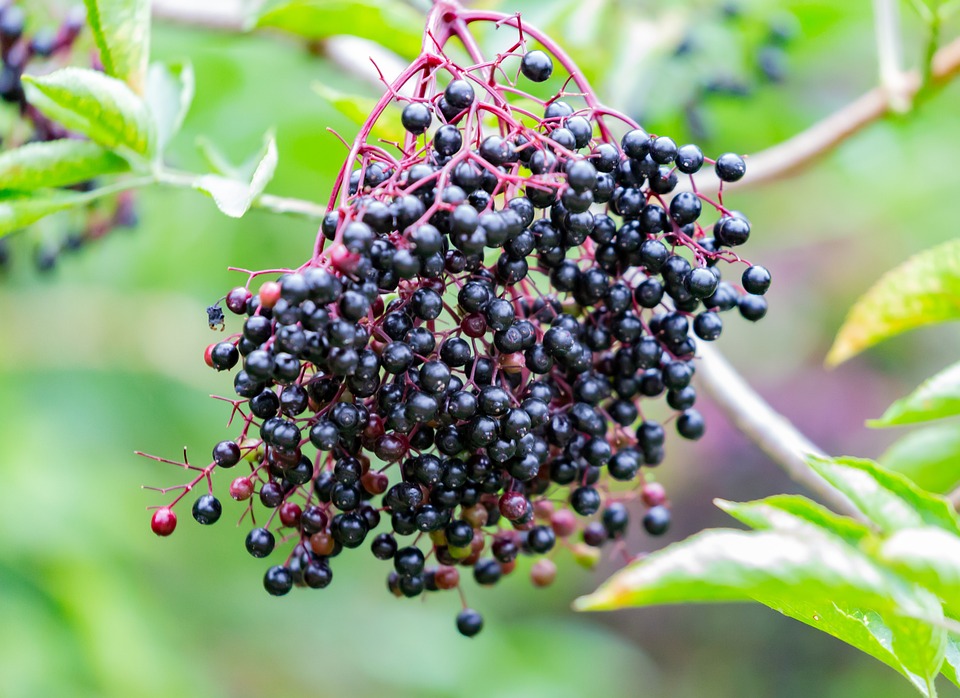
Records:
x=787, y=512
x=96, y=105
x=923, y=290
x=358, y=108
x=388, y=22
x=930, y=457
x=888, y=499
x=170, y=88
x=727, y=565
x=121, y=29
x=809, y=575
x=56, y=164
x=234, y=197
x=935, y=398
x=913, y=648
x=928, y=556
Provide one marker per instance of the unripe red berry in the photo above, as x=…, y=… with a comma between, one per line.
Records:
x=653, y=494
x=290, y=514
x=269, y=294
x=208, y=355
x=543, y=572
x=447, y=577
x=513, y=506
x=563, y=522
x=374, y=482
x=322, y=543
x=237, y=300
x=163, y=521
x=241, y=489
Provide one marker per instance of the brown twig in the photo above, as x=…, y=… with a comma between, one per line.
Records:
x=807, y=146
x=773, y=433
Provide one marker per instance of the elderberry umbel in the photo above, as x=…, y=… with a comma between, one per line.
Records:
x=461, y=372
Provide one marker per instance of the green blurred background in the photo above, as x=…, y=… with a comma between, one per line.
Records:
x=103, y=356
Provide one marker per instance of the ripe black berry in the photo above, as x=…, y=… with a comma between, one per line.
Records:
x=657, y=520
x=536, y=66
x=730, y=167
x=469, y=622
x=207, y=509
x=278, y=581
x=416, y=117
x=756, y=280
x=260, y=542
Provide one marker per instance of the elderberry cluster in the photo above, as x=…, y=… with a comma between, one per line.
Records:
x=462, y=372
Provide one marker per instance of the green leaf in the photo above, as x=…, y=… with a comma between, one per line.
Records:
x=121, y=29
x=930, y=457
x=170, y=88
x=928, y=556
x=888, y=499
x=923, y=290
x=788, y=512
x=56, y=164
x=936, y=398
x=233, y=196
x=18, y=210
x=951, y=659
x=727, y=565
x=809, y=575
x=387, y=22
x=357, y=109
x=95, y=105
x=912, y=647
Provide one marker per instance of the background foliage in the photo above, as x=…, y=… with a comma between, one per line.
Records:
x=104, y=357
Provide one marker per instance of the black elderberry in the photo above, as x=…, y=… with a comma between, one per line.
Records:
x=409, y=562
x=636, y=143
x=459, y=94
x=260, y=542
x=447, y=141
x=615, y=519
x=226, y=454
x=207, y=509
x=541, y=539
x=657, y=520
x=732, y=230
x=752, y=308
x=469, y=622
x=755, y=280
x=701, y=282
x=730, y=167
x=707, y=326
x=685, y=208
x=585, y=501
x=271, y=495
x=416, y=117
x=384, y=546
x=317, y=575
x=689, y=159
x=487, y=572
x=278, y=581
x=536, y=66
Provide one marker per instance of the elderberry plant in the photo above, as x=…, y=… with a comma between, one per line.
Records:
x=462, y=370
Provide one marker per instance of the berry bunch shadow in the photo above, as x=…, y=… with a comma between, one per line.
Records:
x=458, y=375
